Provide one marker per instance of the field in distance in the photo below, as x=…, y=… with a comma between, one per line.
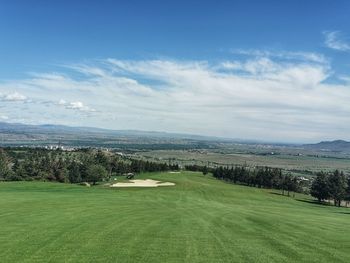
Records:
x=286, y=161
x=198, y=220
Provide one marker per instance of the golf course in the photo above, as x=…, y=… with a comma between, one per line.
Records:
x=199, y=219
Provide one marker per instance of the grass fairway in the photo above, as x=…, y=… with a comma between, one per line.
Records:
x=198, y=220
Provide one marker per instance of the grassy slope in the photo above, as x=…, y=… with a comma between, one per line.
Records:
x=199, y=220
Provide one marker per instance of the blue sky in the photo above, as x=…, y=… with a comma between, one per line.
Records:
x=169, y=65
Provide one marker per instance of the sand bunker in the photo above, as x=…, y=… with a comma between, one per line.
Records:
x=143, y=183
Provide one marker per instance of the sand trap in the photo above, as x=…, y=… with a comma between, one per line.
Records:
x=174, y=172
x=143, y=183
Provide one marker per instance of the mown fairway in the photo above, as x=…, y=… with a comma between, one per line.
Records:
x=199, y=220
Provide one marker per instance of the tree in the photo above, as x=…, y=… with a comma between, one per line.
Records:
x=205, y=170
x=19, y=171
x=320, y=188
x=74, y=172
x=283, y=183
x=5, y=170
x=289, y=184
x=337, y=186
x=95, y=173
x=103, y=159
x=347, y=192
x=295, y=186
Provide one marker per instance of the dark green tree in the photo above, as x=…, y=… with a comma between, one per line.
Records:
x=337, y=186
x=320, y=187
x=347, y=191
x=96, y=173
x=74, y=172
x=205, y=170
x=5, y=170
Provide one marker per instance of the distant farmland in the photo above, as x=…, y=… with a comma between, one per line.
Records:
x=283, y=161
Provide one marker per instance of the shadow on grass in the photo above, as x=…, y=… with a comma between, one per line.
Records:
x=309, y=201
x=344, y=213
x=280, y=194
x=324, y=204
x=274, y=193
x=313, y=202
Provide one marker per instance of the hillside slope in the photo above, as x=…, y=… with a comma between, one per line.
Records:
x=198, y=220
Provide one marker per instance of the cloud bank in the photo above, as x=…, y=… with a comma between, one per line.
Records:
x=282, y=96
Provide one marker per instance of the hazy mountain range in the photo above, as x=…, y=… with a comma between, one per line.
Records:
x=17, y=133
x=334, y=146
x=23, y=134
x=19, y=128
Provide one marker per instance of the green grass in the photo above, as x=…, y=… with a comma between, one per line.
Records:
x=199, y=220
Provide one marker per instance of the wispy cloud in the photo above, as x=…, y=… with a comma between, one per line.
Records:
x=335, y=40
x=262, y=97
x=284, y=55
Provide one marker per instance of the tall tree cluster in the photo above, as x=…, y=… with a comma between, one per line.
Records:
x=331, y=186
x=73, y=167
x=265, y=177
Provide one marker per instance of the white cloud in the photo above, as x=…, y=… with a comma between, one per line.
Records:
x=333, y=40
x=15, y=96
x=257, y=98
x=62, y=102
x=75, y=105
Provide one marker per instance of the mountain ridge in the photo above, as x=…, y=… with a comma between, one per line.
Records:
x=17, y=128
x=334, y=146
x=55, y=131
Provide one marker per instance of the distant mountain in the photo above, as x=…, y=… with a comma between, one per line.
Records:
x=332, y=146
x=23, y=134
x=50, y=128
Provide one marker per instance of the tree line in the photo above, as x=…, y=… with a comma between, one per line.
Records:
x=261, y=177
x=88, y=165
x=71, y=167
x=324, y=187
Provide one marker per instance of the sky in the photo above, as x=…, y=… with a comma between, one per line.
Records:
x=268, y=70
